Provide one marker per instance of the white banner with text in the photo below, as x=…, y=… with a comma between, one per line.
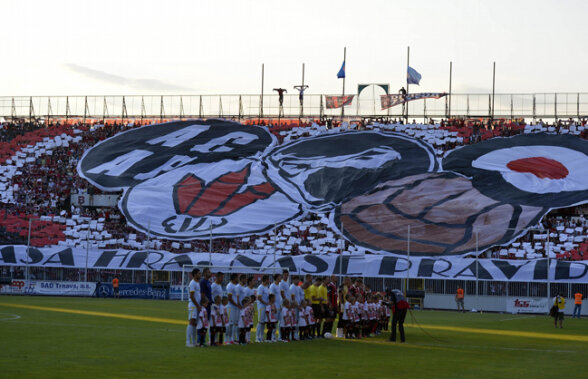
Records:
x=387, y=266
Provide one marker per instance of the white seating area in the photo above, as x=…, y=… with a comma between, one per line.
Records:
x=568, y=129
x=430, y=133
x=12, y=167
x=543, y=243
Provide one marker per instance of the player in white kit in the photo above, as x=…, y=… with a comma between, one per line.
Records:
x=193, y=308
x=262, y=303
x=296, y=296
x=234, y=309
x=275, y=290
x=216, y=288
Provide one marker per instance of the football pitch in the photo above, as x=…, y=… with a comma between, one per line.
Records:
x=88, y=337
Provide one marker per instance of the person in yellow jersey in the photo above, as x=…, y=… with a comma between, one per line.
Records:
x=315, y=304
x=560, y=302
x=577, y=304
x=306, y=287
x=321, y=309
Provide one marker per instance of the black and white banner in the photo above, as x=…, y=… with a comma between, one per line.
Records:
x=216, y=179
x=383, y=266
x=389, y=101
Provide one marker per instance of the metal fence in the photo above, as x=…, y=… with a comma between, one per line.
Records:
x=430, y=286
x=532, y=106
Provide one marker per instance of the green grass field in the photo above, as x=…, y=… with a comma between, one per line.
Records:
x=87, y=337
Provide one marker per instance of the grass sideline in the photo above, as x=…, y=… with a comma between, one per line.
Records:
x=72, y=337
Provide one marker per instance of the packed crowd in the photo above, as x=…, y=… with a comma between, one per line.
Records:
x=287, y=309
x=38, y=174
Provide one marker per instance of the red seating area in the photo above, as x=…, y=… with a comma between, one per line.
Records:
x=580, y=254
x=470, y=129
x=43, y=233
x=9, y=149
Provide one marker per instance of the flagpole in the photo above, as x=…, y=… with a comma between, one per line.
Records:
x=343, y=93
x=450, y=77
x=493, y=87
x=407, y=83
x=261, y=100
x=302, y=103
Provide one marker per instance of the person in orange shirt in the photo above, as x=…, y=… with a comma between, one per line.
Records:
x=577, y=304
x=115, y=287
x=459, y=299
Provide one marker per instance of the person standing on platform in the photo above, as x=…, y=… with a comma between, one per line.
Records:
x=301, y=90
x=577, y=304
x=281, y=92
x=459, y=297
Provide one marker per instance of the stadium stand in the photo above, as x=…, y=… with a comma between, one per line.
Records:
x=38, y=174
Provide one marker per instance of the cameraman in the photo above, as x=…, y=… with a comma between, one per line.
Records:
x=399, y=308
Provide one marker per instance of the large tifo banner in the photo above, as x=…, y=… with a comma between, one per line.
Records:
x=189, y=180
x=383, y=266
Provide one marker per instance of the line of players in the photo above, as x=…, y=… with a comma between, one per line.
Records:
x=295, y=311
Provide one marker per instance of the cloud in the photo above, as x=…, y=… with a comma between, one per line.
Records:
x=140, y=84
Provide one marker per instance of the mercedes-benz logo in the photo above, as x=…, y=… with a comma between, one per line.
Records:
x=103, y=291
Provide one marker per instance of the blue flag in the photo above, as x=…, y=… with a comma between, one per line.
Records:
x=412, y=76
x=341, y=73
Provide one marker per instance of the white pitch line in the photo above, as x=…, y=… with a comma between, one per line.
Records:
x=12, y=316
x=518, y=318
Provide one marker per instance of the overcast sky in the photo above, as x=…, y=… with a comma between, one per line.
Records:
x=217, y=47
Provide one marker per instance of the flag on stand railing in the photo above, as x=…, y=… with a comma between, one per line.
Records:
x=412, y=76
x=389, y=101
x=341, y=73
x=338, y=101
